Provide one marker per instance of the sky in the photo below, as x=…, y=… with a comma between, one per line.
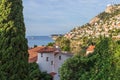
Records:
x=46, y=17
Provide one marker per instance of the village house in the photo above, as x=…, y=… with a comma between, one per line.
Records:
x=90, y=50
x=49, y=59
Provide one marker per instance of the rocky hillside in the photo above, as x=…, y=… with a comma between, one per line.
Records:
x=106, y=24
x=103, y=24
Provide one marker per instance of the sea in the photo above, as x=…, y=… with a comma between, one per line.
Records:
x=39, y=40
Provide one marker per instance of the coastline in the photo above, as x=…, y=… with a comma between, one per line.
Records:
x=39, y=40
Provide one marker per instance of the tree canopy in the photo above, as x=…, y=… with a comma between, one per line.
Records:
x=64, y=43
x=13, y=44
x=103, y=64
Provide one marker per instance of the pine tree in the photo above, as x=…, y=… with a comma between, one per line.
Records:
x=13, y=45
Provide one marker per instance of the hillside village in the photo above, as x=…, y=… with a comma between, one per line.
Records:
x=106, y=24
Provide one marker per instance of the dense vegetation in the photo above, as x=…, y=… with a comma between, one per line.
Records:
x=51, y=44
x=13, y=45
x=105, y=16
x=64, y=43
x=103, y=64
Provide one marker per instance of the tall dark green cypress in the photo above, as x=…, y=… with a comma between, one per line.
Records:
x=13, y=45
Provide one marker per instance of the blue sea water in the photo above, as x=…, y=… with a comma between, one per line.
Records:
x=38, y=40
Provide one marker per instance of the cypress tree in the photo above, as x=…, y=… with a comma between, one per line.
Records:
x=13, y=45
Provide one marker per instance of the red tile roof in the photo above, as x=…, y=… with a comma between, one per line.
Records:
x=91, y=48
x=33, y=53
x=46, y=50
x=32, y=56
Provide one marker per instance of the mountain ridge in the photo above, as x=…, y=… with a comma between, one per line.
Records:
x=105, y=24
x=100, y=20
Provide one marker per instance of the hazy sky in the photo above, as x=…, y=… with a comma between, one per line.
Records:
x=46, y=17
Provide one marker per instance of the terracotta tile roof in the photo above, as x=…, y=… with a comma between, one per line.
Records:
x=46, y=50
x=32, y=56
x=91, y=48
x=33, y=53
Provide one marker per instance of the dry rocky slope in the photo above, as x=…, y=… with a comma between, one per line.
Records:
x=106, y=24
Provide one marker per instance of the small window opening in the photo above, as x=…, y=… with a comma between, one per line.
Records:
x=59, y=57
x=47, y=58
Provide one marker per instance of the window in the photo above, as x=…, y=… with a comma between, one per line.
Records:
x=47, y=58
x=51, y=62
x=41, y=54
x=59, y=57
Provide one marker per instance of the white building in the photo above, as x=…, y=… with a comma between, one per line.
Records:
x=50, y=60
